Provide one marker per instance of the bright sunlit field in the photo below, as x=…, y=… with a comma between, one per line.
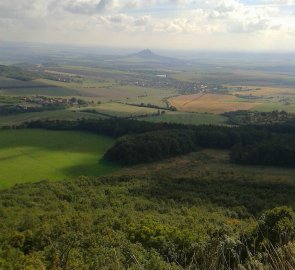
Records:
x=33, y=155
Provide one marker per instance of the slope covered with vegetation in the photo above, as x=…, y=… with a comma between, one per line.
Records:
x=129, y=222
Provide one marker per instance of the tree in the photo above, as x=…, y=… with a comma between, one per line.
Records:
x=276, y=226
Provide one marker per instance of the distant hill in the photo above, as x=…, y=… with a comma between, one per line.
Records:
x=143, y=59
x=146, y=54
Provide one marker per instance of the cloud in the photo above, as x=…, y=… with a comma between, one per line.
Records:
x=123, y=22
x=279, y=2
x=190, y=21
x=87, y=6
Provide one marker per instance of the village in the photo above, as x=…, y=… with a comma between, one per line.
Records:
x=162, y=81
x=44, y=100
x=39, y=103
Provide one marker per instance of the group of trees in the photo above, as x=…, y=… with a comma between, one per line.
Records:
x=159, y=144
x=151, y=146
x=243, y=117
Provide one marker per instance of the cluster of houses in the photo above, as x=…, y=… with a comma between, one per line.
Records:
x=161, y=81
x=43, y=101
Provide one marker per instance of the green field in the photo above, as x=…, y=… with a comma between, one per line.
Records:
x=188, y=118
x=123, y=110
x=16, y=119
x=33, y=155
x=36, y=87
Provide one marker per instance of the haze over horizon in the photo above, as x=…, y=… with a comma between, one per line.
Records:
x=226, y=25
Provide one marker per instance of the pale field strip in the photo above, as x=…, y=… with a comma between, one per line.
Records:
x=263, y=90
x=123, y=109
x=214, y=103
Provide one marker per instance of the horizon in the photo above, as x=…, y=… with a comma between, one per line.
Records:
x=122, y=50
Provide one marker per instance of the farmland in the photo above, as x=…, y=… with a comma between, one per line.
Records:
x=24, y=88
x=188, y=118
x=238, y=98
x=34, y=155
x=13, y=120
x=153, y=89
x=123, y=110
x=222, y=95
x=213, y=103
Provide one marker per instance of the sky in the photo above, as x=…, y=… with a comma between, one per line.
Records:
x=223, y=25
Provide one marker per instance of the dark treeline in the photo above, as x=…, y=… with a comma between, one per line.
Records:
x=141, y=141
x=15, y=109
x=118, y=127
x=110, y=127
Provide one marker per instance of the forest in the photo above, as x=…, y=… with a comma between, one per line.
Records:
x=256, y=145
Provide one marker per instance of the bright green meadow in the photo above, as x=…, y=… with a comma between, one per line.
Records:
x=34, y=155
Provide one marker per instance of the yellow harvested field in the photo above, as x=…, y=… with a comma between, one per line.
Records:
x=264, y=91
x=212, y=103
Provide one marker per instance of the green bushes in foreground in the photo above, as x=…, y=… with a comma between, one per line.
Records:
x=142, y=223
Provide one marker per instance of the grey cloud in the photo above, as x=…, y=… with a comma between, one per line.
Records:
x=125, y=22
x=25, y=12
x=103, y=5
x=132, y=4
x=90, y=7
